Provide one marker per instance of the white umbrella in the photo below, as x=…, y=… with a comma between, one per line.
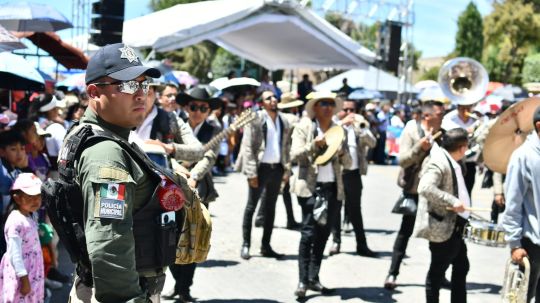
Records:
x=32, y=17
x=8, y=42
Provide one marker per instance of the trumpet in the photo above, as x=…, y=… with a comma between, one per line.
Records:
x=516, y=282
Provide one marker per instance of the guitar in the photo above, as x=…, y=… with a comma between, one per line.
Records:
x=245, y=117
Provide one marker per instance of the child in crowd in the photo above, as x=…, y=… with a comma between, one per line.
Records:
x=13, y=160
x=21, y=270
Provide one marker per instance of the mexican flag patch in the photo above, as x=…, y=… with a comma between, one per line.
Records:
x=113, y=191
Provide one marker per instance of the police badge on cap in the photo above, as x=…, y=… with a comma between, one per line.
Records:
x=119, y=62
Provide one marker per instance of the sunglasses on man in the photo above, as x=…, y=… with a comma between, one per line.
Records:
x=202, y=108
x=128, y=87
x=326, y=103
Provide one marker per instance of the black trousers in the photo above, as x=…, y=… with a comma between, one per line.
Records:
x=533, y=251
x=287, y=200
x=352, y=183
x=495, y=211
x=270, y=176
x=379, y=153
x=451, y=252
x=314, y=236
x=402, y=240
x=183, y=275
x=470, y=176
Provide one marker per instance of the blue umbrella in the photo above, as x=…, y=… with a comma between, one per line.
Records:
x=16, y=73
x=32, y=17
x=365, y=94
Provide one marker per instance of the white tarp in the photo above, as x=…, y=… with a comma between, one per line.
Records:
x=367, y=78
x=274, y=35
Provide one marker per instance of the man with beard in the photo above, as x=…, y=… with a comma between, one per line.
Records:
x=264, y=159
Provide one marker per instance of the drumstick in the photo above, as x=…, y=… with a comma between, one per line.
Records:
x=437, y=135
x=472, y=208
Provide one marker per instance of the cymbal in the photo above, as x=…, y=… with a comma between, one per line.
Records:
x=334, y=138
x=508, y=133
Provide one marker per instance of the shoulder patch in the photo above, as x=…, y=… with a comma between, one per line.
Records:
x=113, y=173
x=110, y=201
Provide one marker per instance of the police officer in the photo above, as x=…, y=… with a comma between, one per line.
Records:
x=116, y=188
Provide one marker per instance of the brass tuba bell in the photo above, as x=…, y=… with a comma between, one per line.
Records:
x=516, y=282
x=463, y=80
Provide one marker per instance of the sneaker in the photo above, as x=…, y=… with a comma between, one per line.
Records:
x=53, y=284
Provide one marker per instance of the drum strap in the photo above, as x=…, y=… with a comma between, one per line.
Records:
x=454, y=178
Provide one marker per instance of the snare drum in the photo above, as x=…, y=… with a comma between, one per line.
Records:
x=484, y=233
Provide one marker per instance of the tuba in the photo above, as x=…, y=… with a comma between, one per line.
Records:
x=464, y=81
x=516, y=282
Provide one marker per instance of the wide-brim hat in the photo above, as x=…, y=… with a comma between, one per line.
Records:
x=315, y=97
x=198, y=94
x=289, y=100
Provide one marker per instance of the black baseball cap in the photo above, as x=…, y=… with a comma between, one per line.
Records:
x=119, y=62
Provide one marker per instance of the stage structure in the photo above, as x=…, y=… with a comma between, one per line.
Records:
x=395, y=51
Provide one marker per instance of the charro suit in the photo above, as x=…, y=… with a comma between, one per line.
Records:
x=269, y=174
x=304, y=185
x=438, y=189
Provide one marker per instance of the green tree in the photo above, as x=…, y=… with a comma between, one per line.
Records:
x=431, y=74
x=469, y=38
x=514, y=28
x=531, y=69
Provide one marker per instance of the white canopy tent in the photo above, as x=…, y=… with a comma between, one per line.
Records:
x=273, y=34
x=371, y=78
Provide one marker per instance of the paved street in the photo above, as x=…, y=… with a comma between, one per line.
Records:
x=225, y=277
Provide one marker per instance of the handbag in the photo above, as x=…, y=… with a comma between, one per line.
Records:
x=320, y=208
x=405, y=205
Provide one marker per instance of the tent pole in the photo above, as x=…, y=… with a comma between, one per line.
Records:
x=291, y=80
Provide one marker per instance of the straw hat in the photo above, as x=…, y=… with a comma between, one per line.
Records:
x=315, y=97
x=288, y=100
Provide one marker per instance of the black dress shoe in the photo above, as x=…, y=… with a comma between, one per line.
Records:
x=268, y=252
x=390, y=282
x=171, y=295
x=300, y=292
x=244, y=252
x=185, y=298
x=366, y=252
x=317, y=286
x=335, y=249
x=259, y=222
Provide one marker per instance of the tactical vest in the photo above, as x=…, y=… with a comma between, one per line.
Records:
x=155, y=240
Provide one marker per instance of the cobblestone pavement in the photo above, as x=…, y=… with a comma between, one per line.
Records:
x=225, y=277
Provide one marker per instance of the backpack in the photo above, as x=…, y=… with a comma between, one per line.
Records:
x=194, y=242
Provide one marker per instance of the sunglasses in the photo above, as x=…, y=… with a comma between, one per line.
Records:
x=326, y=104
x=171, y=95
x=349, y=110
x=269, y=98
x=128, y=87
x=203, y=109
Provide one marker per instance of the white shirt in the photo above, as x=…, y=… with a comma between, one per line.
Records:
x=197, y=129
x=54, y=142
x=272, y=151
x=326, y=172
x=463, y=194
x=452, y=120
x=351, y=142
x=143, y=131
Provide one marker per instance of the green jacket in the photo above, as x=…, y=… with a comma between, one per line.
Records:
x=110, y=242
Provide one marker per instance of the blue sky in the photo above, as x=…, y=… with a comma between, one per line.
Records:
x=435, y=22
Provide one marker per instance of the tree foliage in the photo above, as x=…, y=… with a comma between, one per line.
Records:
x=157, y=5
x=431, y=74
x=469, y=38
x=531, y=69
x=513, y=28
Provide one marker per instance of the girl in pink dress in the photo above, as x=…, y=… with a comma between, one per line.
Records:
x=21, y=271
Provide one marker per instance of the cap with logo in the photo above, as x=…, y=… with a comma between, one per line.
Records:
x=119, y=62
